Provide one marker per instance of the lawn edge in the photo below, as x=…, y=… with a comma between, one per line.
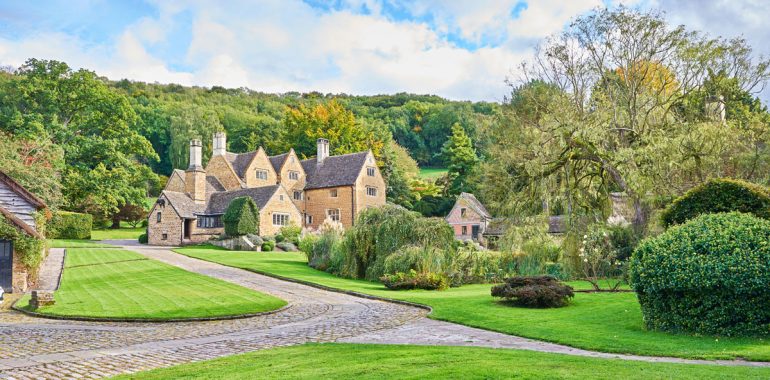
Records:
x=146, y=320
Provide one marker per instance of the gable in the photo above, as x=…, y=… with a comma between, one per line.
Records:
x=260, y=161
x=220, y=168
x=471, y=215
x=17, y=205
x=176, y=181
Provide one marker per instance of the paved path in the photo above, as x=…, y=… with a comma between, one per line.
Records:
x=41, y=348
x=50, y=270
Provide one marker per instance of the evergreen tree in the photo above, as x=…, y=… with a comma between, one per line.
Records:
x=461, y=160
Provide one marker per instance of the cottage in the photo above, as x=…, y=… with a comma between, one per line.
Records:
x=19, y=208
x=469, y=218
x=286, y=189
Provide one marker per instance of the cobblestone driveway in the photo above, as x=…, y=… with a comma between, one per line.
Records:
x=41, y=348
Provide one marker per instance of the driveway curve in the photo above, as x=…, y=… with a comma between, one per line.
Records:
x=41, y=348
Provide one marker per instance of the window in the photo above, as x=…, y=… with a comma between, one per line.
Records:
x=462, y=212
x=164, y=237
x=280, y=219
x=261, y=174
x=333, y=193
x=280, y=197
x=333, y=214
x=465, y=230
x=370, y=171
x=159, y=217
x=209, y=221
x=293, y=175
x=297, y=195
x=291, y=159
x=371, y=191
x=308, y=219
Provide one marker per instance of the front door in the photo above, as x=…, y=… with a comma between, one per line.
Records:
x=188, y=225
x=475, y=232
x=6, y=265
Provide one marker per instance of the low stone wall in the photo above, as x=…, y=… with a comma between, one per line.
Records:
x=241, y=243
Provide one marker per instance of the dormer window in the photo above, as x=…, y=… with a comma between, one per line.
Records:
x=370, y=171
x=261, y=174
x=293, y=175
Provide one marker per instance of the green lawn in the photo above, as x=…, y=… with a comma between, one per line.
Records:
x=115, y=283
x=352, y=361
x=117, y=234
x=432, y=173
x=609, y=322
x=72, y=243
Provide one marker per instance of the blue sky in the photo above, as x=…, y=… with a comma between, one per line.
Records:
x=457, y=49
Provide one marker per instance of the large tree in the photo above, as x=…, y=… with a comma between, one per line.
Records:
x=603, y=109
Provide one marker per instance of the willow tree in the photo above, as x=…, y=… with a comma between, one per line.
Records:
x=601, y=110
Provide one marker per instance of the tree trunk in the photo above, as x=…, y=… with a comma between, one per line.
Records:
x=115, y=222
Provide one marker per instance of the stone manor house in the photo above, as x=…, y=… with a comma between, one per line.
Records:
x=287, y=190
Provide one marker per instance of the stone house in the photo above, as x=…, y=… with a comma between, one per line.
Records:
x=469, y=218
x=19, y=207
x=286, y=189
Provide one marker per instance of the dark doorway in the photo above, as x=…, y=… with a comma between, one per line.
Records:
x=6, y=265
x=188, y=225
x=475, y=232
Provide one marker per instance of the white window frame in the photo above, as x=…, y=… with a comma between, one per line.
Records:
x=333, y=214
x=261, y=174
x=371, y=191
x=280, y=219
x=308, y=219
x=293, y=174
x=371, y=171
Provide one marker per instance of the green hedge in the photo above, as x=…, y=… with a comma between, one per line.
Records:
x=709, y=276
x=70, y=225
x=718, y=195
x=241, y=217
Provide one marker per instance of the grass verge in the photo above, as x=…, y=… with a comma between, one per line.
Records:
x=607, y=322
x=353, y=361
x=114, y=283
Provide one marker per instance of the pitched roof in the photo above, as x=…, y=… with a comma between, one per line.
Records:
x=22, y=192
x=184, y=206
x=278, y=160
x=219, y=201
x=213, y=185
x=19, y=223
x=474, y=204
x=334, y=170
x=240, y=162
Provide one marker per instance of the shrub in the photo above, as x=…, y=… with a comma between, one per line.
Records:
x=287, y=246
x=143, y=238
x=414, y=280
x=70, y=225
x=320, y=249
x=241, y=217
x=534, y=291
x=291, y=233
x=279, y=238
x=599, y=258
x=718, y=195
x=268, y=246
x=706, y=276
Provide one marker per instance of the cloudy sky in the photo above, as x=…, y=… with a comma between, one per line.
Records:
x=460, y=49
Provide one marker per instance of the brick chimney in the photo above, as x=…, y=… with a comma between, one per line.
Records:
x=322, y=150
x=220, y=144
x=195, y=175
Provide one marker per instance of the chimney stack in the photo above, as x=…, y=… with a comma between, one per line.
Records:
x=195, y=155
x=322, y=150
x=220, y=144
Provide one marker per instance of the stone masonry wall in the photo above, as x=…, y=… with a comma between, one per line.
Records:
x=363, y=201
x=220, y=168
x=317, y=201
x=280, y=202
x=170, y=224
x=261, y=162
x=293, y=164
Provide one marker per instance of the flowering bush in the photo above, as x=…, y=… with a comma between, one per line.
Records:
x=599, y=259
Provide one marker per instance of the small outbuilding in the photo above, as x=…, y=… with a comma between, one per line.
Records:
x=469, y=218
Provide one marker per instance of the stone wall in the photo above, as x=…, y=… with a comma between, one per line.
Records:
x=220, y=168
x=19, y=275
x=260, y=162
x=293, y=164
x=170, y=224
x=175, y=183
x=363, y=200
x=280, y=202
x=317, y=201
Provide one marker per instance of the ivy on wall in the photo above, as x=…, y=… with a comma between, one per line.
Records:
x=28, y=249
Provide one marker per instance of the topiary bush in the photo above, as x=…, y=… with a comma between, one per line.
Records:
x=415, y=280
x=534, y=291
x=708, y=276
x=241, y=217
x=70, y=225
x=718, y=195
x=143, y=239
x=268, y=246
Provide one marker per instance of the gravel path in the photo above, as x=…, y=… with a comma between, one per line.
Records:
x=41, y=348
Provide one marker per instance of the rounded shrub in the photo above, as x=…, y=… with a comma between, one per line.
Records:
x=708, y=276
x=268, y=246
x=534, y=291
x=718, y=195
x=241, y=217
x=143, y=239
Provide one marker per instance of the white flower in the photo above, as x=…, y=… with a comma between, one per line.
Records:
x=585, y=237
x=582, y=250
x=585, y=260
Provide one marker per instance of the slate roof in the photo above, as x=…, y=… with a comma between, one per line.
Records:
x=277, y=161
x=219, y=201
x=22, y=192
x=213, y=185
x=240, y=162
x=184, y=206
x=334, y=170
x=475, y=205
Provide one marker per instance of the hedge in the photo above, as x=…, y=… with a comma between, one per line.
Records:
x=707, y=276
x=718, y=195
x=70, y=225
x=241, y=217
